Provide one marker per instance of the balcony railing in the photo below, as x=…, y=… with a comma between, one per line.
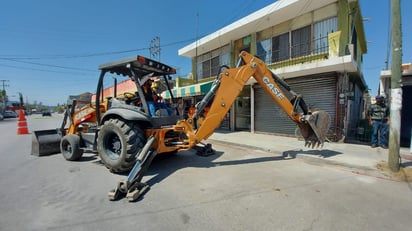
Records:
x=307, y=52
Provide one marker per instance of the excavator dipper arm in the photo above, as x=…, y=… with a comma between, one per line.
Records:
x=229, y=84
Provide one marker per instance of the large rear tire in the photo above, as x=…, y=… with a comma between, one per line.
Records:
x=118, y=143
x=70, y=147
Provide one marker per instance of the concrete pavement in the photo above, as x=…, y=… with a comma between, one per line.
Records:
x=236, y=189
x=357, y=158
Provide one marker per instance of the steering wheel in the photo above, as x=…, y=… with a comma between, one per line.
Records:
x=129, y=95
x=131, y=98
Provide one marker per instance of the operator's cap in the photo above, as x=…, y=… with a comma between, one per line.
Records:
x=379, y=97
x=146, y=78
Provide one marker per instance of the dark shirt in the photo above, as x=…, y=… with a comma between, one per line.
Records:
x=148, y=93
x=378, y=111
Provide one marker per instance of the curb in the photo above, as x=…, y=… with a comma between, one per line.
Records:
x=244, y=146
x=315, y=160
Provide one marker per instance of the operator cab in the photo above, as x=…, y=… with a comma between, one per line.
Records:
x=128, y=98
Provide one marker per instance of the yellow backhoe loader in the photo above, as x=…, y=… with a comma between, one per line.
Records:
x=126, y=137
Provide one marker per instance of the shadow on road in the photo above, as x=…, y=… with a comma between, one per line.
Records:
x=166, y=164
x=325, y=153
x=90, y=157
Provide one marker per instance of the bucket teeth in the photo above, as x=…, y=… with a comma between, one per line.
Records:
x=313, y=144
x=315, y=128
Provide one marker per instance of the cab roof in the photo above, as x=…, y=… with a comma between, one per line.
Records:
x=141, y=65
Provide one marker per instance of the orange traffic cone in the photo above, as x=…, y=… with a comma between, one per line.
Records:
x=22, y=128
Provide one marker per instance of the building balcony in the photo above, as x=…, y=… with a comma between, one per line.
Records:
x=321, y=59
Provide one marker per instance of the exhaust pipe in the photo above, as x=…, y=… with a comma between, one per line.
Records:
x=45, y=142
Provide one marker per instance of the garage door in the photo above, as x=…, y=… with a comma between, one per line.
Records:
x=318, y=92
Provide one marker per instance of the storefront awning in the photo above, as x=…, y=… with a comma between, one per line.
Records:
x=192, y=90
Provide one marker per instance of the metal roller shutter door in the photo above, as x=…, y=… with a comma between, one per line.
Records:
x=317, y=91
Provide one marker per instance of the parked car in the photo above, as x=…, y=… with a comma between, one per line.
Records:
x=1, y=117
x=46, y=113
x=10, y=114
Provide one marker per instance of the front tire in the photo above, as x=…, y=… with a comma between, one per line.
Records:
x=70, y=147
x=118, y=143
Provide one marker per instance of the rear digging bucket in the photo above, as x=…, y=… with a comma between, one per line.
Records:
x=45, y=142
x=316, y=128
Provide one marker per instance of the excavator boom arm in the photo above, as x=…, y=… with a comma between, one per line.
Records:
x=230, y=83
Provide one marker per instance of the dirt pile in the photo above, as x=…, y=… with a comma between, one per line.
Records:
x=404, y=173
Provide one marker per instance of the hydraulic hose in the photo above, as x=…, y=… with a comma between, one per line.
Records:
x=209, y=96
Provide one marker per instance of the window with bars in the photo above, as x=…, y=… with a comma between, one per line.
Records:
x=297, y=43
x=280, y=47
x=264, y=50
x=321, y=30
x=209, y=63
x=301, y=41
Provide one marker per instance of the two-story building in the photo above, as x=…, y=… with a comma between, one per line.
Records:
x=315, y=46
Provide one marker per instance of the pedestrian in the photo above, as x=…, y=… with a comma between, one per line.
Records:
x=378, y=116
x=180, y=107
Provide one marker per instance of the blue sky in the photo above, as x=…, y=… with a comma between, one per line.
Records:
x=50, y=49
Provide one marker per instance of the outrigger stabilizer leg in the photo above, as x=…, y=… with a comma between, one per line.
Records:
x=205, y=150
x=132, y=188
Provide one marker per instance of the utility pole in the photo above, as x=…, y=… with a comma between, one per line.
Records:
x=3, y=96
x=396, y=88
x=197, y=39
x=155, y=48
x=4, y=86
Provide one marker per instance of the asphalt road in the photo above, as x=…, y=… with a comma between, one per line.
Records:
x=236, y=189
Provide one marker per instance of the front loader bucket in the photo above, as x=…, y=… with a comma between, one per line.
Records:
x=45, y=142
x=315, y=130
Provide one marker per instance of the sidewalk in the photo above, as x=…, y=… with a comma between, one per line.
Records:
x=357, y=158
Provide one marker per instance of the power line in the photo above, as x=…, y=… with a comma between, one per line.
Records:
x=36, y=69
x=16, y=57
x=49, y=65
